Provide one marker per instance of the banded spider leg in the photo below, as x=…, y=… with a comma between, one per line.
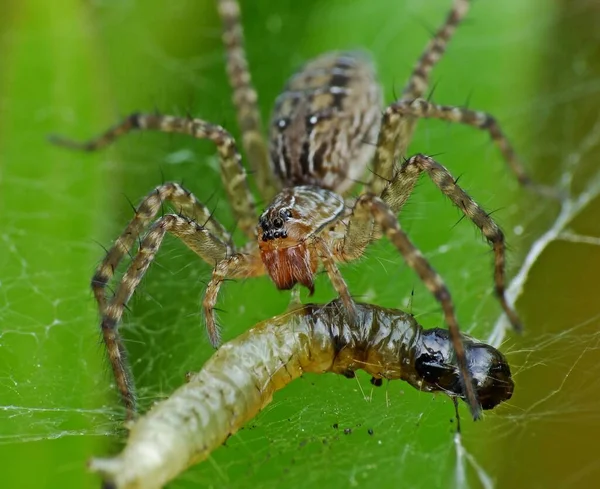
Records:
x=371, y=211
x=195, y=227
x=245, y=99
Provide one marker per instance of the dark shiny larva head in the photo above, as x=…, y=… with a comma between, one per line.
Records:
x=435, y=362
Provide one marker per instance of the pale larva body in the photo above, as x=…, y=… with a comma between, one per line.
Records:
x=240, y=378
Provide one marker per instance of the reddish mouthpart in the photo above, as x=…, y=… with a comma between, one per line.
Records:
x=289, y=266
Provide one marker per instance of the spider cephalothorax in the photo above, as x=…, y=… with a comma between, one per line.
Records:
x=296, y=215
x=321, y=140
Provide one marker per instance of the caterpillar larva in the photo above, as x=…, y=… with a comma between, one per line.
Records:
x=240, y=378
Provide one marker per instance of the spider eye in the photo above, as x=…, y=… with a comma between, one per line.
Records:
x=285, y=214
x=278, y=223
x=262, y=222
x=282, y=123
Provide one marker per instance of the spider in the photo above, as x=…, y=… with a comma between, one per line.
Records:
x=317, y=150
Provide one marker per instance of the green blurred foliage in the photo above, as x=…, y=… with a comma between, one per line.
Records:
x=77, y=67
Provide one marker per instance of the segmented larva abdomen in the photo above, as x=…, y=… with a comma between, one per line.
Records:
x=241, y=377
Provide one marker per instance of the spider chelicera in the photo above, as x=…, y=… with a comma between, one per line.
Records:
x=317, y=150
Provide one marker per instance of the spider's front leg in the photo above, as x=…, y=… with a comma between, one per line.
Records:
x=400, y=188
x=199, y=238
x=369, y=210
x=327, y=257
x=218, y=241
x=206, y=237
x=200, y=232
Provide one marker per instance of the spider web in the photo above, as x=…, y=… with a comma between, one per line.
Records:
x=520, y=60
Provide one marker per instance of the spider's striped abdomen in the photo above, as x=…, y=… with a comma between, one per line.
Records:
x=324, y=120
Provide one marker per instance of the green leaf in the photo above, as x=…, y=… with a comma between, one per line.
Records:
x=78, y=68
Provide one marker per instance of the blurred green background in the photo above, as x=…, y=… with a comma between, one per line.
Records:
x=76, y=67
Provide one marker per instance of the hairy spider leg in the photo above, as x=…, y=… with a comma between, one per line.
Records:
x=368, y=208
x=327, y=258
x=196, y=237
x=417, y=84
x=241, y=265
x=233, y=173
x=245, y=99
x=396, y=113
x=210, y=241
x=392, y=146
x=187, y=204
x=402, y=185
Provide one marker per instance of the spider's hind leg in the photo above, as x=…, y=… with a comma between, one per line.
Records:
x=245, y=99
x=233, y=174
x=394, y=138
x=419, y=79
x=392, y=141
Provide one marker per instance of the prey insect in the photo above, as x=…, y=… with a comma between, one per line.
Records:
x=240, y=379
x=318, y=137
